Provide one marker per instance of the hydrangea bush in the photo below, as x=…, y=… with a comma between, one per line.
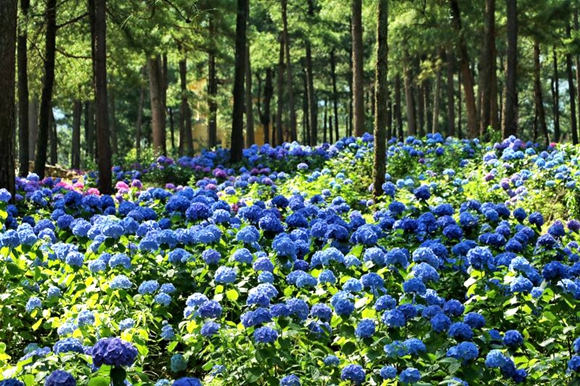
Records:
x=284, y=271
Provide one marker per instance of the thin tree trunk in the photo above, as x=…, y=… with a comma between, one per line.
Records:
x=511, y=102
x=23, y=97
x=157, y=108
x=53, y=139
x=8, y=20
x=171, y=128
x=280, y=91
x=494, y=120
x=556, y=96
x=293, y=132
x=32, y=126
x=113, y=122
x=381, y=96
x=250, y=137
x=312, y=105
x=47, y=87
x=90, y=130
x=325, y=123
x=185, y=137
x=102, y=116
x=436, y=99
x=459, y=104
x=450, y=93
x=419, y=103
x=265, y=116
x=334, y=91
x=212, y=85
x=538, y=98
x=577, y=63
x=466, y=75
x=357, y=67
x=139, y=122
x=76, y=135
x=572, y=91
x=306, y=130
x=487, y=66
x=237, y=137
x=409, y=98
x=398, y=107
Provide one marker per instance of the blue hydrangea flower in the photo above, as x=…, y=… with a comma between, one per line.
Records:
x=495, y=358
x=120, y=282
x=464, y=351
x=265, y=335
x=60, y=378
x=225, y=275
x=290, y=380
x=388, y=372
x=394, y=318
x=68, y=345
x=33, y=303
x=148, y=287
x=513, y=338
x=126, y=324
x=410, y=375
x=187, y=381
x=365, y=328
x=163, y=299
x=353, y=373
x=86, y=318
x=331, y=361
x=178, y=363
x=460, y=331
x=113, y=352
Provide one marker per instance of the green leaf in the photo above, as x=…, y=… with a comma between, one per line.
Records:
x=232, y=295
x=36, y=325
x=99, y=381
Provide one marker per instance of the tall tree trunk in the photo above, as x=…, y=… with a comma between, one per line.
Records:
x=53, y=140
x=312, y=104
x=450, y=92
x=577, y=63
x=420, y=104
x=76, y=135
x=459, y=104
x=293, y=130
x=157, y=107
x=139, y=122
x=47, y=87
x=538, y=98
x=556, y=95
x=185, y=137
x=511, y=101
x=325, y=123
x=436, y=99
x=8, y=19
x=171, y=128
x=113, y=122
x=33, y=107
x=409, y=97
x=90, y=130
x=466, y=75
x=494, y=120
x=334, y=90
x=357, y=69
x=212, y=85
x=280, y=91
x=398, y=107
x=101, y=102
x=487, y=67
x=306, y=132
x=237, y=137
x=265, y=114
x=23, y=137
x=250, y=137
x=381, y=96
x=572, y=91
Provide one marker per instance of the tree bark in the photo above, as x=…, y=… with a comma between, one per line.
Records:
x=113, y=122
x=101, y=102
x=53, y=140
x=139, y=122
x=334, y=91
x=538, y=98
x=409, y=97
x=577, y=63
x=450, y=92
x=398, y=107
x=555, y=84
x=265, y=114
x=357, y=69
x=8, y=19
x=436, y=99
x=280, y=91
x=212, y=86
x=157, y=107
x=237, y=137
x=420, y=108
x=47, y=87
x=186, y=136
x=487, y=67
x=325, y=123
x=312, y=105
x=171, y=128
x=466, y=75
x=23, y=97
x=32, y=126
x=381, y=96
x=293, y=129
x=76, y=135
x=90, y=130
x=511, y=101
x=572, y=91
x=305, y=112
x=250, y=136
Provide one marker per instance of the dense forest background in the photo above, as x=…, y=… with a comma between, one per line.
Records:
x=100, y=82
